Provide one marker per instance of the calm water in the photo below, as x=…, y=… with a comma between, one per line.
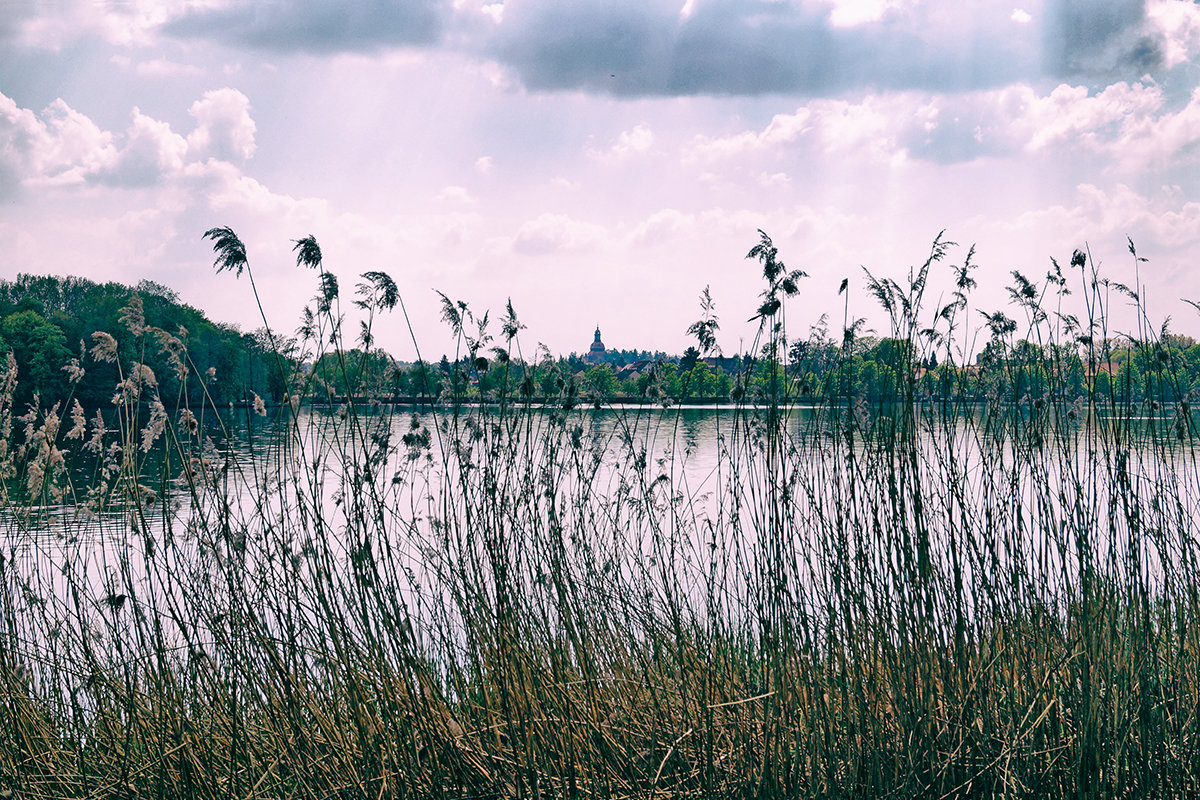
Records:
x=648, y=472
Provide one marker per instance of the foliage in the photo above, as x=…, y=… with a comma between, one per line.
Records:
x=46, y=321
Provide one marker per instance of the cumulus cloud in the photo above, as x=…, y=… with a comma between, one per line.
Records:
x=849, y=13
x=54, y=26
x=874, y=129
x=551, y=233
x=662, y=226
x=62, y=147
x=151, y=151
x=321, y=26
x=1156, y=222
x=635, y=141
x=1178, y=25
x=224, y=129
x=459, y=195
x=1129, y=127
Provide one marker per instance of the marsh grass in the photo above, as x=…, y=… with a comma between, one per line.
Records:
x=926, y=596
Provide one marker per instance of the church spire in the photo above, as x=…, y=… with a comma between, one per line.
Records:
x=596, y=353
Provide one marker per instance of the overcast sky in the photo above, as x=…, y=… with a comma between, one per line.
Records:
x=598, y=161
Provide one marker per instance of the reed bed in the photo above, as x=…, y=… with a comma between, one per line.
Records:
x=939, y=594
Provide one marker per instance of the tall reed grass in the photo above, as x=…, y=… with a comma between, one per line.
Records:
x=923, y=597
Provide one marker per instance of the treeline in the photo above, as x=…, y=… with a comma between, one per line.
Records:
x=54, y=327
x=63, y=333
x=1163, y=368
x=562, y=380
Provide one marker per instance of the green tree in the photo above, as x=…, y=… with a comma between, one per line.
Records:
x=40, y=349
x=602, y=382
x=701, y=381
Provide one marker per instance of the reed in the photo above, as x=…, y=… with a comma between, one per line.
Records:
x=944, y=591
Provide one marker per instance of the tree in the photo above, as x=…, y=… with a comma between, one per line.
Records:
x=700, y=381
x=422, y=380
x=602, y=382
x=40, y=349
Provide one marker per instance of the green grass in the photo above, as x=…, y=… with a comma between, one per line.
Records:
x=928, y=597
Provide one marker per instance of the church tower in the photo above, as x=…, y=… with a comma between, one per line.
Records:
x=596, y=352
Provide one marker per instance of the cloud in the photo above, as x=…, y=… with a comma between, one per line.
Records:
x=1103, y=38
x=658, y=48
x=457, y=195
x=1158, y=223
x=53, y=26
x=152, y=150
x=224, y=129
x=1130, y=126
x=1178, y=25
x=722, y=47
x=59, y=148
x=829, y=47
x=62, y=147
x=319, y=26
x=850, y=13
x=1126, y=127
x=665, y=225
x=629, y=143
x=553, y=233
x=162, y=68
x=873, y=129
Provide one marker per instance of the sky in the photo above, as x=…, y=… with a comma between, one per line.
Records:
x=600, y=161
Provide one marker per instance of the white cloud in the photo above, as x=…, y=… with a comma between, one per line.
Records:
x=1179, y=25
x=1021, y=16
x=225, y=129
x=493, y=11
x=484, y=164
x=555, y=233
x=1127, y=124
x=773, y=180
x=868, y=129
x=151, y=151
x=636, y=141
x=851, y=13
x=62, y=147
x=662, y=227
x=1071, y=114
x=1126, y=127
x=125, y=24
x=1165, y=229
x=455, y=194
x=72, y=146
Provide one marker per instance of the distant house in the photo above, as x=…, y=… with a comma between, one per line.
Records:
x=634, y=370
x=1108, y=367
